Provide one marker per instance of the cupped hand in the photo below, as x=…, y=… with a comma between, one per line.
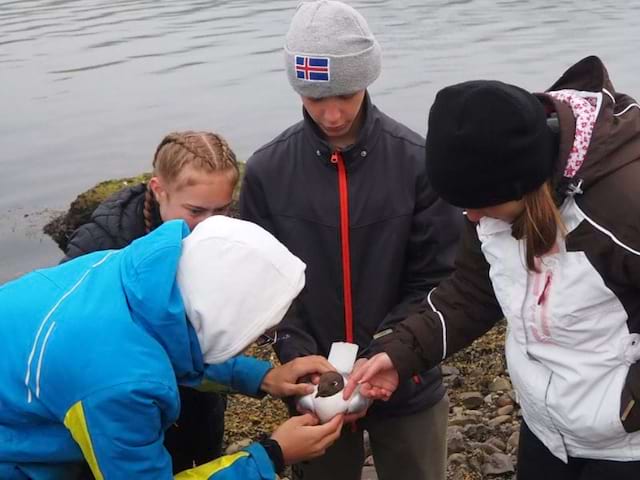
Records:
x=377, y=378
x=281, y=381
x=301, y=438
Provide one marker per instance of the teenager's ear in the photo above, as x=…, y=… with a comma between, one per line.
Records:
x=155, y=184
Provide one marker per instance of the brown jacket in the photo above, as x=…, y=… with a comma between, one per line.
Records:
x=574, y=327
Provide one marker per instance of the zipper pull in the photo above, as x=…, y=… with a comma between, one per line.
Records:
x=334, y=158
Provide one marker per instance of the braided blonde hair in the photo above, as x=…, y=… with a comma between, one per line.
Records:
x=205, y=151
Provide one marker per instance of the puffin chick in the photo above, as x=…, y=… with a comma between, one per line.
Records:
x=330, y=384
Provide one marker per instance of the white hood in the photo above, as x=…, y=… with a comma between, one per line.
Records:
x=236, y=281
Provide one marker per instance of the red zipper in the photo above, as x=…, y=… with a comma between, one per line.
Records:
x=336, y=158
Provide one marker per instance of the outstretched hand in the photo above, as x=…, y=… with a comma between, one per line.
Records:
x=377, y=378
x=282, y=381
x=301, y=438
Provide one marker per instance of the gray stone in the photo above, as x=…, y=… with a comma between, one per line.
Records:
x=477, y=431
x=449, y=370
x=484, y=447
x=462, y=420
x=506, y=410
x=500, y=384
x=494, y=422
x=452, y=381
x=476, y=462
x=456, y=443
x=512, y=443
x=457, y=459
x=488, y=399
x=477, y=414
x=237, y=446
x=498, y=463
x=504, y=400
x=496, y=442
x=471, y=400
x=460, y=474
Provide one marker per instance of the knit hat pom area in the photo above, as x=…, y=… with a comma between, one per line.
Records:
x=330, y=50
x=487, y=143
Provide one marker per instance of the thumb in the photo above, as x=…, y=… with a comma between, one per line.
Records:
x=306, y=420
x=299, y=389
x=332, y=425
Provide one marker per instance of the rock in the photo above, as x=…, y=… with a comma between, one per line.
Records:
x=460, y=474
x=488, y=399
x=474, y=413
x=237, y=446
x=498, y=463
x=471, y=400
x=494, y=422
x=452, y=381
x=462, y=420
x=457, y=459
x=500, y=384
x=484, y=447
x=457, y=411
x=448, y=370
x=512, y=443
x=504, y=400
x=456, y=443
x=506, y=410
x=477, y=461
x=477, y=431
x=496, y=442
x=80, y=210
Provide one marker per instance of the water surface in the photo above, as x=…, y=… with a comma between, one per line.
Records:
x=89, y=87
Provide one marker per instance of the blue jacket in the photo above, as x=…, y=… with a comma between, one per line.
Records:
x=92, y=353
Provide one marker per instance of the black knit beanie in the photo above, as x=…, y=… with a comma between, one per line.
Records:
x=487, y=143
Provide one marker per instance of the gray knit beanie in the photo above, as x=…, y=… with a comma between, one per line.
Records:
x=329, y=50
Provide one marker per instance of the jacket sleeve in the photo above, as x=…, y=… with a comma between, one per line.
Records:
x=431, y=249
x=243, y=374
x=462, y=308
x=293, y=339
x=120, y=432
x=87, y=238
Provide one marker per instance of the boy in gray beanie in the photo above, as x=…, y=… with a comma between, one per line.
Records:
x=345, y=189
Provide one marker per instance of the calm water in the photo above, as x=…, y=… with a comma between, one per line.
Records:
x=89, y=87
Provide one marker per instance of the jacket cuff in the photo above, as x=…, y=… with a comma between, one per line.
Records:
x=243, y=374
x=249, y=374
x=264, y=464
x=404, y=358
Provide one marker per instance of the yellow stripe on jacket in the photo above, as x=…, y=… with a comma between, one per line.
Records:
x=74, y=420
x=203, y=472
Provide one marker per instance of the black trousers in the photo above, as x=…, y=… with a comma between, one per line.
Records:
x=197, y=436
x=536, y=462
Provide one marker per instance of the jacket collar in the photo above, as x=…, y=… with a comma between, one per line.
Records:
x=366, y=139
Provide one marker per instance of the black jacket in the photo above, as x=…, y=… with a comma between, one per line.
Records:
x=115, y=223
x=401, y=237
x=118, y=221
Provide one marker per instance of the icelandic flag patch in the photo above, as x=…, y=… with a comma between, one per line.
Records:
x=312, y=69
